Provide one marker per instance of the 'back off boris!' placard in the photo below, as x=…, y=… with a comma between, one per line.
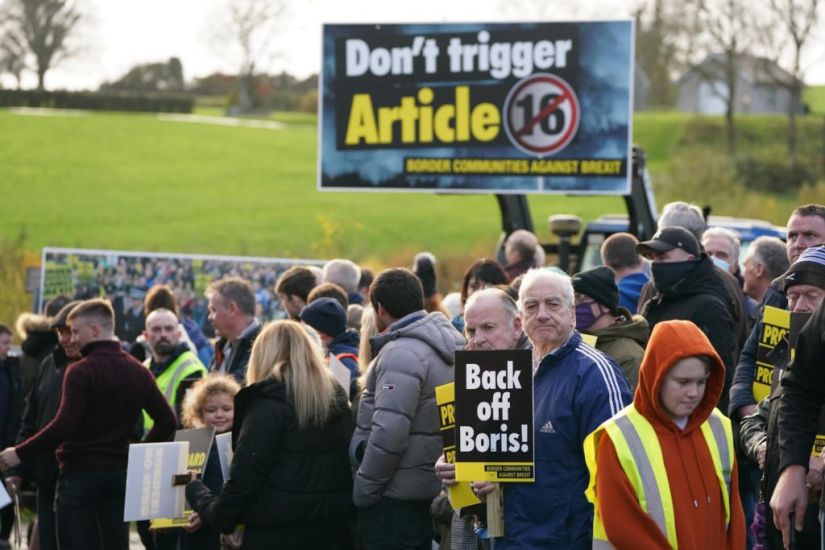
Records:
x=494, y=416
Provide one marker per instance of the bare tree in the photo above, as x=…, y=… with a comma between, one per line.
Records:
x=44, y=27
x=796, y=20
x=12, y=56
x=249, y=27
x=661, y=39
x=725, y=31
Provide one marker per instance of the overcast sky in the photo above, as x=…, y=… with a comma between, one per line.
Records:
x=120, y=34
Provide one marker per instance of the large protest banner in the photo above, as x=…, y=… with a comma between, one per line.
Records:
x=200, y=443
x=490, y=107
x=124, y=277
x=151, y=489
x=494, y=415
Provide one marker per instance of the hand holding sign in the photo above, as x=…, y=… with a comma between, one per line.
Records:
x=193, y=524
x=482, y=488
x=445, y=471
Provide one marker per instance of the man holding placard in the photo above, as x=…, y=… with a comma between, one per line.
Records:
x=576, y=388
x=398, y=435
x=491, y=322
x=103, y=395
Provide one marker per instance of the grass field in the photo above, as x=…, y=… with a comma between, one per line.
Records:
x=129, y=181
x=133, y=182
x=814, y=97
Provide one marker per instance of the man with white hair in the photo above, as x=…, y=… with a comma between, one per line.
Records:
x=683, y=214
x=722, y=245
x=576, y=388
x=345, y=274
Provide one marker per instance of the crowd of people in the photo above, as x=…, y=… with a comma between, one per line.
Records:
x=647, y=428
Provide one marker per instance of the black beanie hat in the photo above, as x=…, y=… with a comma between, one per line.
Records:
x=808, y=269
x=599, y=283
x=325, y=315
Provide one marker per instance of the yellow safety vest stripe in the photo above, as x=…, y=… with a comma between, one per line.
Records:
x=640, y=455
x=717, y=428
x=170, y=379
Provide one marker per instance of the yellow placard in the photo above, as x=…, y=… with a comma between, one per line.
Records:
x=460, y=494
x=775, y=325
x=589, y=339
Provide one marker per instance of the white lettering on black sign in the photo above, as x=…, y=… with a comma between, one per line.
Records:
x=494, y=406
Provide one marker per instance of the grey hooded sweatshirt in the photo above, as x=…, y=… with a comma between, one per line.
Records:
x=397, y=438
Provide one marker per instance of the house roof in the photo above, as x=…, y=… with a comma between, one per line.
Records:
x=753, y=69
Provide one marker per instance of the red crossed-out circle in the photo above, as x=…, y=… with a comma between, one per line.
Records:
x=517, y=130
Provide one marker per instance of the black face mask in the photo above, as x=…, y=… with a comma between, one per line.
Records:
x=667, y=275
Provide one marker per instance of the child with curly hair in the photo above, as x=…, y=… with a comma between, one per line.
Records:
x=209, y=403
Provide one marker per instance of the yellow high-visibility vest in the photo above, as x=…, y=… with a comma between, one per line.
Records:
x=640, y=455
x=169, y=381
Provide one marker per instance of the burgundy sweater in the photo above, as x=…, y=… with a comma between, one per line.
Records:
x=103, y=395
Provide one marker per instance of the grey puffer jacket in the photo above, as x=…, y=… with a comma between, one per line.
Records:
x=397, y=438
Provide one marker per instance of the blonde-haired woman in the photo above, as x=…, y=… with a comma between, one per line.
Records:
x=290, y=481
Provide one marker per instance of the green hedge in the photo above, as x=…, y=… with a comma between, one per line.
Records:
x=100, y=101
x=770, y=174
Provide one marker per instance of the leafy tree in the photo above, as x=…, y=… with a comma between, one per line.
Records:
x=151, y=77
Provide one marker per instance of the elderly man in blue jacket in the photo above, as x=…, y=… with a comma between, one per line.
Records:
x=576, y=388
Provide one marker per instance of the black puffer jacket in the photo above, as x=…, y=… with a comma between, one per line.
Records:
x=291, y=488
x=700, y=297
x=8, y=432
x=39, y=343
x=41, y=406
x=762, y=427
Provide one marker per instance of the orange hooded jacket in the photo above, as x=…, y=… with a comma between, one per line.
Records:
x=697, y=499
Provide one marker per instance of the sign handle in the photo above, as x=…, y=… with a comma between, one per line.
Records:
x=181, y=479
x=495, y=512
